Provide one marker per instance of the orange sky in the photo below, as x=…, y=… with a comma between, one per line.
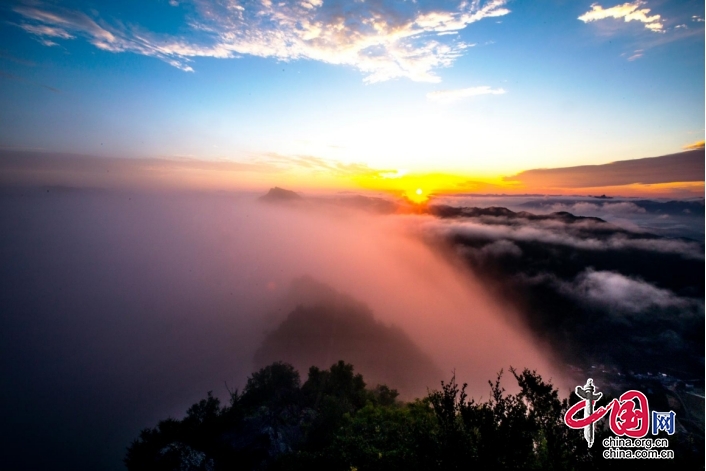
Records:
x=675, y=176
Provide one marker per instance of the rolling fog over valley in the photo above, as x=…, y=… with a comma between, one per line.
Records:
x=125, y=307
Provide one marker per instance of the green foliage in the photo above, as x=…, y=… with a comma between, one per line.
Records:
x=385, y=438
x=383, y=395
x=334, y=422
x=276, y=386
x=339, y=384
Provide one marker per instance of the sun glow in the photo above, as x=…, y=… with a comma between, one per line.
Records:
x=418, y=188
x=417, y=196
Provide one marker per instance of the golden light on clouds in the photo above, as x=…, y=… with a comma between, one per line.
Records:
x=657, y=190
x=628, y=12
x=695, y=145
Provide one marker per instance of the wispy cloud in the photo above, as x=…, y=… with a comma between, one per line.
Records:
x=636, y=55
x=44, y=22
x=44, y=31
x=315, y=164
x=9, y=76
x=4, y=55
x=382, y=39
x=695, y=145
x=628, y=12
x=450, y=96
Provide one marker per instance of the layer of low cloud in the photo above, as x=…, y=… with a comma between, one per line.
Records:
x=133, y=305
x=586, y=235
x=630, y=11
x=49, y=169
x=383, y=40
x=621, y=293
x=597, y=293
x=450, y=96
x=682, y=167
x=674, y=219
x=585, y=207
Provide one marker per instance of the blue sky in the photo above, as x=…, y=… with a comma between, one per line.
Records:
x=479, y=88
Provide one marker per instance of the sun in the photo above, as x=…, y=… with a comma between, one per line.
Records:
x=417, y=196
x=420, y=188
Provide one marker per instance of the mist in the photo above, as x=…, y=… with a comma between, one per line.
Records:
x=606, y=298
x=123, y=307
x=667, y=217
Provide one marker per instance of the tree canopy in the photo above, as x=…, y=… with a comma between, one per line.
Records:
x=334, y=421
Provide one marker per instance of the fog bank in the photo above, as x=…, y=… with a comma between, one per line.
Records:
x=122, y=308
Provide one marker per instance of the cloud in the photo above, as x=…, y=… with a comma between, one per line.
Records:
x=585, y=235
x=318, y=164
x=637, y=215
x=44, y=22
x=636, y=55
x=325, y=324
x=615, y=291
x=501, y=248
x=187, y=288
x=585, y=208
x=9, y=76
x=450, y=96
x=682, y=167
x=43, y=30
x=596, y=293
x=627, y=11
x=695, y=145
x=32, y=168
x=39, y=169
x=383, y=40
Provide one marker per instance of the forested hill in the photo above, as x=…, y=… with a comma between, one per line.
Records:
x=334, y=422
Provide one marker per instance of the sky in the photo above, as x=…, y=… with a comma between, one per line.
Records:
x=413, y=95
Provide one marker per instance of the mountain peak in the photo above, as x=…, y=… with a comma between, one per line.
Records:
x=280, y=194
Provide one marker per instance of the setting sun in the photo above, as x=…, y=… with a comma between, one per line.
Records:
x=418, y=197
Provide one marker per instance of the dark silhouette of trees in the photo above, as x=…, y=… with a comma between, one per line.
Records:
x=334, y=422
